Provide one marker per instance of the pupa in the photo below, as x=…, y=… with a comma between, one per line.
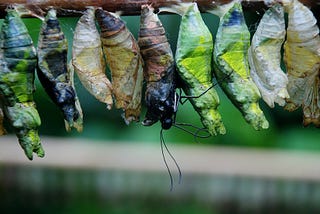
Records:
x=264, y=57
x=18, y=62
x=88, y=59
x=302, y=59
x=54, y=73
x=193, y=59
x=124, y=60
x=231, y=67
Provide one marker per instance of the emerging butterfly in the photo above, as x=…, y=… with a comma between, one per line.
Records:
x=159, y=72
x=18, y=61
x=161, y=98
x=302, y=59
x=230, y=58
x=54, y=73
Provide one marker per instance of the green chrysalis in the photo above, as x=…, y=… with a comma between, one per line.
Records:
x=231, y=66
x=193, y=59
x=17, y=66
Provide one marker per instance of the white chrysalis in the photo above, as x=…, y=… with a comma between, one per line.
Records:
x=265, y=57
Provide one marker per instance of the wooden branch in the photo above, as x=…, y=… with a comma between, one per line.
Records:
x=128, y=7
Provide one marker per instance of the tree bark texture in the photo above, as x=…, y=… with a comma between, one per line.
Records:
x=128, y=7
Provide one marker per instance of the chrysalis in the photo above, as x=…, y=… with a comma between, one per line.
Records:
x=88, y=60
x=193, y=59
x=2, y=129
x=159, y=70
x=123, y=58
x=18, y=61
x=265, y=57
x=302, y=59
x=53, y=71
x=231, y=65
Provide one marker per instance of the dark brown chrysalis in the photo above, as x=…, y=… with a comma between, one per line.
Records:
x=53, y=71
x=159, y=70
x=124, y=60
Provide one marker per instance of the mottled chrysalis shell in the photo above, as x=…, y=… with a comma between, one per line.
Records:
x=159, y=69
x=88, y=60
x=54, y=73
x=124, y=60
x=194, y=62
x=18, y=61
x=302, y=59
x=232, y=68
x=265, y=57
x=2, y=129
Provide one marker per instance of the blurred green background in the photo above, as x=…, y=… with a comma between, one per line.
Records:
x=54, y=190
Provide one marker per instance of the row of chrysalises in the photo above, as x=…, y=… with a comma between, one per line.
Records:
x=245, y=73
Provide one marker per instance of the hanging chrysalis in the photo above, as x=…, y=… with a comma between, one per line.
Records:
x=18, y=61
x=231, y=64
x=159, y=73
x=193, y=59
x=123, y=58
x=53, y=71
x=88, y=60
x=159, y=70
x=265, y=56
x=2, y=129
x=302, y=59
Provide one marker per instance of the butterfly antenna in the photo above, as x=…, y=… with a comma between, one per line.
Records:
x=164, y=146
x=165, y=160
x=223, y=79
x=195, y=134
x=186, y=97
x=182, y=97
